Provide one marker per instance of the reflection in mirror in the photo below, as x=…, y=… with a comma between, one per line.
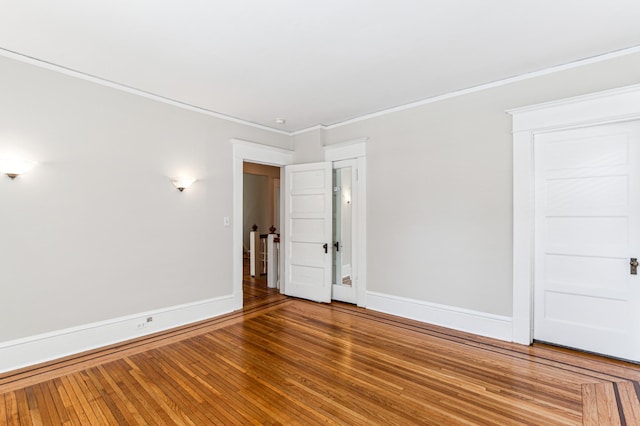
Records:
x=342, y=225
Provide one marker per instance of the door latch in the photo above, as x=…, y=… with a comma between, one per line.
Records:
x=337, y=245
x=634, y=266
x=325, y=246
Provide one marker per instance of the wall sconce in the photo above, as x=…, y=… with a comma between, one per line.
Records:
x=182, y=183
x=15, y=167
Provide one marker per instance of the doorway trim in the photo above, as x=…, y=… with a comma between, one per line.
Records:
x=356, y=150
x=605, y=107
x=255, y=153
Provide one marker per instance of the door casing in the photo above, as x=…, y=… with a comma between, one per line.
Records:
x=255, y=153
x=356, y=150
x=610, y=106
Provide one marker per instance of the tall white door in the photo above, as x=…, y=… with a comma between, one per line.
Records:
x=586, y=236
x=345, y=199
x=308, y=231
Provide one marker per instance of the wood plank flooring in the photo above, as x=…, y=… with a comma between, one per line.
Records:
x=288, y=361
x=255, y=291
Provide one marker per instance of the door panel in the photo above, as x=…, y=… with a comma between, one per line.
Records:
x=307, y=230
x=587, y=214
x=307, y=205
x=582, y=270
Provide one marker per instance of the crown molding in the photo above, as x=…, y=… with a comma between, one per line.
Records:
x=132, y=90
x=309, y=129
x=498, y=83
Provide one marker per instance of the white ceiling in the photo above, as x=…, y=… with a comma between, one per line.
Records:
x=312, y=61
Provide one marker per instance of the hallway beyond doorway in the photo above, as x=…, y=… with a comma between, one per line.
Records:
x=254, y=289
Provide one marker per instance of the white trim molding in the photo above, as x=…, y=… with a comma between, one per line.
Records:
x=609, y=106
x=132, y=90
x=480, y=323
x=267, y=153
x=346, y=150
x=255, y=153
x=596, y=108
x=128, y=89
x=479, y=88
x=24, y=352
x=308, y=129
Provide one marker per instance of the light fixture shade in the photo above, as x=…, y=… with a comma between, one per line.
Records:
x=182, y=182
x=13, y=167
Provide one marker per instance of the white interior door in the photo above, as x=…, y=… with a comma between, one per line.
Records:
x=345, y=196
x=308, y=231
x=587, y=193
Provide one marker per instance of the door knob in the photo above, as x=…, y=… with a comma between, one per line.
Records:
x=337, y=245
x=634, y=266
x=325, y=246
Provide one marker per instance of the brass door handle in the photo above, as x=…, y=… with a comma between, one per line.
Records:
x=633, y=262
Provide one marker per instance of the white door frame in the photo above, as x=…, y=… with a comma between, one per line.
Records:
x=356, y=149
x=255, y=153
x=599, y=108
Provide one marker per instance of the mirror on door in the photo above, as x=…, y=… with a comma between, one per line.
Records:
x=342, y=225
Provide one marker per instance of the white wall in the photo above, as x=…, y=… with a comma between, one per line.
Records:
x=439, y=210
x=308, y=146
x=256, y=205
x=97, y=231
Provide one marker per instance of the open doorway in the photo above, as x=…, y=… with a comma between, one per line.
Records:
x=244, y=151
x=260, y=231
x=325, y=256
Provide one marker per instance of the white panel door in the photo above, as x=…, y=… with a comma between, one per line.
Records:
x=308, y=231
x=586, y=233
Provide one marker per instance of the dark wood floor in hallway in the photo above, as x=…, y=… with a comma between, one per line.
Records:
x=255, y=291
x=288, y=361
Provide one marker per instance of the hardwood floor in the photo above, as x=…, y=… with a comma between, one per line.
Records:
x=255, y=291
x=288, y=361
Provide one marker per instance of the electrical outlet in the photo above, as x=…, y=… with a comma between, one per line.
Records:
x=144, y=324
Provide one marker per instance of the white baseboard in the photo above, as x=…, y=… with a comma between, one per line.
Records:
x=20, y=353
x=480, y=323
